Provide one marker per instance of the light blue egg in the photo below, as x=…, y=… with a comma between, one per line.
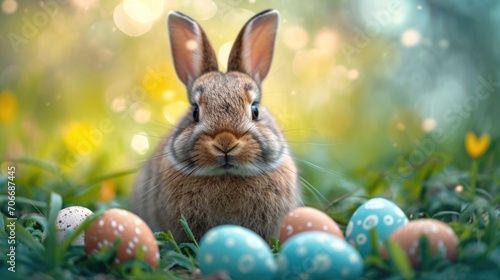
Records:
x=318, y=255
x=237, y=250
x=378, y=213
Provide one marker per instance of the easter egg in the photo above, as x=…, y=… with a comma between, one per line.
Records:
x=68, y=219
x=442, y=240
x=308, y=219
x=379, y=214
x=318, y=255
x=134, y=232
x=237, y=250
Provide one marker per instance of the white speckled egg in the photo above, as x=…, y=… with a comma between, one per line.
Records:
x=318, y=255
x=237, y=250
x=308, y=219
x=378, y=213
x=68, y=219
x=135, y=234
x=442, y=239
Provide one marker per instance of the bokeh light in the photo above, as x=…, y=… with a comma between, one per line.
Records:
x=85, y=4
x=202, y=9
x=429, y=125
x=353, y=74
x=410, y=38
x=140, y=143
x=118, y=104
x=295, y=37
x=129, y=24
x=223, y=54
x=141, y=112
x=327, y=40
x=9, y=6
x=143, y=11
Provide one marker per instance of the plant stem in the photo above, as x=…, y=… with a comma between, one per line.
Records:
x=170, y=238
x=473, y=173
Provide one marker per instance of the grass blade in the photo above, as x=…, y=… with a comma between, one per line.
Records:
x=188, y=231
x=374, y=242
x=2, y=225
x=111, y=176
x=180, y=260
x=399, y=259
x=169, y=237
x=425, y=253
x=55, y=205
x=45, y=166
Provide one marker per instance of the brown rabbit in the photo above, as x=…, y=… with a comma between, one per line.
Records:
x=226, y=161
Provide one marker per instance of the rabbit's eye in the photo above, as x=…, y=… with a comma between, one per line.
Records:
x=196, y=114
x=255, y=112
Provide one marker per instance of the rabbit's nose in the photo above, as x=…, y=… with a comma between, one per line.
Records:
x=225, y=142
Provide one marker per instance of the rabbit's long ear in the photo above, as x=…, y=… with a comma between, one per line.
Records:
x=192, y=52
x=252, y=52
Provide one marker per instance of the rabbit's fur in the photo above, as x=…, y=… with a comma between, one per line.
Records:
x=221, y=164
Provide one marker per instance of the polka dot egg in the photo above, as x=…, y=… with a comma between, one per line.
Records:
x=318, y=255
x=442, y=240
x=308, y=219
x=68, y=219
x=379, y=214
x=134, y=232
x=237, y=250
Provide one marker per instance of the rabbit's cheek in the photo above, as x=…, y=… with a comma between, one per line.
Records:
x=270, y=145
x=248, y=150
x=203, y=155
x=180, y=143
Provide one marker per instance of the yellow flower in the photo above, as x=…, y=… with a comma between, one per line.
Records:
x=77, y=137
x=8, y=109
x=108, y=191
x=476, y=147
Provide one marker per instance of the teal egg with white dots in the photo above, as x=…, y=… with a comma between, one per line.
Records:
x=379, y=214
x=318, y=255
x=237, y=250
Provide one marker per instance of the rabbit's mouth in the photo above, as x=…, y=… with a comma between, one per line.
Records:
x=228, y=169
x=227, y=166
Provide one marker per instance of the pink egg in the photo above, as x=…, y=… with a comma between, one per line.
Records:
x=308, y=219
x=135, y=234
x=442, y=239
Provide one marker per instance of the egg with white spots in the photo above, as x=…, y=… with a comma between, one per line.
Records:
x=68, y=219
x=237, y=250
x=308, y=219
x=134, y=232
x=442, y=239
x=379, y=214
x=318, y=255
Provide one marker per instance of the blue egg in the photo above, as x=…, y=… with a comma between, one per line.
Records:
x=377, y=213
x=318, y=255
x=237, y=250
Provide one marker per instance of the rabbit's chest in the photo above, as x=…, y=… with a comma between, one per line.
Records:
x=233, y=198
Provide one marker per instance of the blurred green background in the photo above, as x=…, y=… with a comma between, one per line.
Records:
x=366, y=91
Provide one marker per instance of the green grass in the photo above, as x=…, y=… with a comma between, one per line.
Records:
x=430, y=191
